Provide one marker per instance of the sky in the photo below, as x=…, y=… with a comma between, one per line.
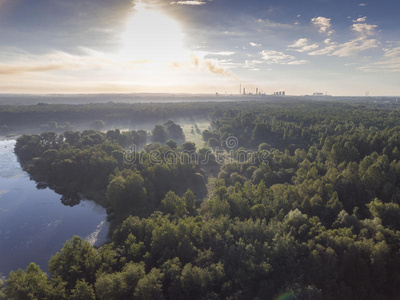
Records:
x=200, y=46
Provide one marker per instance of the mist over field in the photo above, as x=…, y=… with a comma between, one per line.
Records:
x=208, y=149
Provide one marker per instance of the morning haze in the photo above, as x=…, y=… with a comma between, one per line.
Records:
x=208, y=149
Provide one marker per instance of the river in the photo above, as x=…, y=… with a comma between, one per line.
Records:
x=34, y=224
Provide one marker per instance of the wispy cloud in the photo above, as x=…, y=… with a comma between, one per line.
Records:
x=255, y=45
x=350, y=48
x=271, y=24
x=210, y=65
x=13, y=70
x=353, y=47
x=324, y=51
x=253, y=64
x=195, y=3
x=302, y=45
x=389, y=63
x=323, y=24
x=22, y=62
x=276, y=57
x=221, y=53
x=364, y=28
x=299, y=62
x=361, y=19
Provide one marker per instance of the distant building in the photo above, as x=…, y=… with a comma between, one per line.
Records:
x=318, y=94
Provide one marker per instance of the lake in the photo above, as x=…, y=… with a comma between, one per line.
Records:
x=34, y=224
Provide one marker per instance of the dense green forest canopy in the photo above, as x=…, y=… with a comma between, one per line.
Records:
x=17, y=119
x=317, y=218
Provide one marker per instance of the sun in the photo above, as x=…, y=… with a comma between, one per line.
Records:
x=151, y=36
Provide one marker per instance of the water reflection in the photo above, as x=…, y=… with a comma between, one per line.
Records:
x=34, y=223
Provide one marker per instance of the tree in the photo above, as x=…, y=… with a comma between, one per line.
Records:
x=77, y=261
x=213, y=143
x=188, y=146
x=126, y=192
x=82, y=291
x=174, y=131
x=189, y=198
x=31, y=284
x=150, y=286
x=173, y=204
x=389, y=213
x=159, y=134
x=172, y=144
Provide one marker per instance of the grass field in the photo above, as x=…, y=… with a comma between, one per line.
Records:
x=193, y=134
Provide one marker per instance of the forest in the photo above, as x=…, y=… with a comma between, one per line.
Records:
x=318, y=217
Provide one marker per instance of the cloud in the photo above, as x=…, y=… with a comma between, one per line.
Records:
x=13, y=70
x=323, y=25
x=324, y=51
x=271, y=24
x=19, y=62
x=353, y=47
x=210, y=65
x=220, y=53
x=255, y=45
x=389, y=63
x=394, y=52
x=252, y=64
x=223, y=53
x=359, y=20
x=276, y=57
x=194, y=3
x=302, y=45
x=362, y=4
x=350, y=48
x=298, y=62
x=364, y=28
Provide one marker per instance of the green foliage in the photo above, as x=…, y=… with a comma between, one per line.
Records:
x=150, y=286
x=313, y=212
x=174, y=205
x=32, y=284
x=82, y=291
x=120, y=285
x=188, y=146
x=77, y=261
x=172, y=144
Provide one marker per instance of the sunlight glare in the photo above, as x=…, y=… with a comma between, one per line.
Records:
x=151, y=36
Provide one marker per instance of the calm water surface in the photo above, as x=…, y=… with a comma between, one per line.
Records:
x=34, y=224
